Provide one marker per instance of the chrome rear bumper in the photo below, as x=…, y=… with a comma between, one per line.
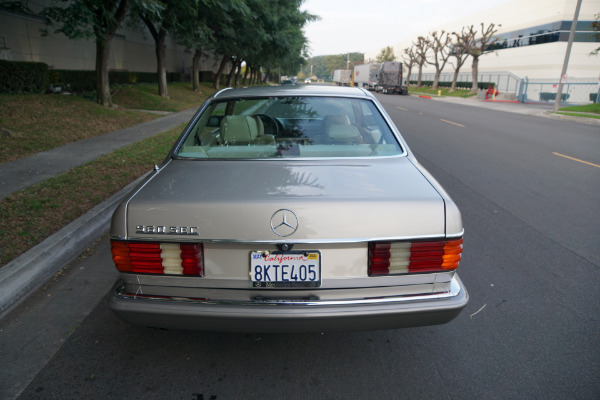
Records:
x=261, y=314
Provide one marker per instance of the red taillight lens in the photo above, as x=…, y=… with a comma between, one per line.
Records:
x=411, y=257
x=158, y=258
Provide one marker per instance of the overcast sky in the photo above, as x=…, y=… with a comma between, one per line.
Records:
x=370, y=25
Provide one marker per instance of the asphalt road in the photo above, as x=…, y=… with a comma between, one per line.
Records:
x=531, y=265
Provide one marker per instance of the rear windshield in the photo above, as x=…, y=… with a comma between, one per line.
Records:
x=289, y=127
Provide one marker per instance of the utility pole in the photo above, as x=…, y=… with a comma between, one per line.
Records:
x=563, y=74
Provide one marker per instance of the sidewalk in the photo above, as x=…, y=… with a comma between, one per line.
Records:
x=28, y=272
x=24, y=172
x=537, y=109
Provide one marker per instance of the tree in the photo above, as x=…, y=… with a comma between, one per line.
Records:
x=440, y=51
x=410, y=60
x=461, y=55
x=476, y=46
x=341, y=61
x=421, y=47
x=91, y=19
x=161, y=19
x=286, y=47
x=193, y=33
x=386, y=54
x=225, y=19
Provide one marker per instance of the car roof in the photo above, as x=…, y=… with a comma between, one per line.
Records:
x=293, y=90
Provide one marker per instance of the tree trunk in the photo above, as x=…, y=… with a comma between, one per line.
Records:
x=231, y=72
x=408, y=76
x=246, y=72
x=196, y=70
x=161, y=71
x=267, y=74
x=216, y=83
x=420, y=75
x=238, y=73
x=104, y=36
x=453, y=86
x=474, y=71
x=102, y=82
x=436, y=78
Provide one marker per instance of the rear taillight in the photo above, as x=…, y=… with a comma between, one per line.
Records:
x=158, y=258
x=412, y=257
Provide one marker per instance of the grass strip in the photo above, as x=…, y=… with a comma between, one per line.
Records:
x=586, y=108
x=32, y=123
x=144, y=96
x=31, y=215
x=574, y=114
x=444, y=92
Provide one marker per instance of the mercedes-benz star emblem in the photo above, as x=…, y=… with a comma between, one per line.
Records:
x=284, y=222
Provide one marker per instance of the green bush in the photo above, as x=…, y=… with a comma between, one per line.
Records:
x=23, y=77
x=459, y=85
x=77, y=80
x=82, y=81
x=549, y=96
x=30, y=77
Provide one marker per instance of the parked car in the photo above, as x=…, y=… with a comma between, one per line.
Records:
x=288, y=208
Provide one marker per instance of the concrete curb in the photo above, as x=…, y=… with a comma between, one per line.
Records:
x=32, y=269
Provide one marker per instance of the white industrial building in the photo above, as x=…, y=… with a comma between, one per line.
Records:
x=533, y=38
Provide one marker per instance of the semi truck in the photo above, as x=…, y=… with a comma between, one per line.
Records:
x=342, y=77
x=365, y=75
x=389, y=78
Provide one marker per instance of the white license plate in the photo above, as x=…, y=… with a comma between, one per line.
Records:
x=285, y=269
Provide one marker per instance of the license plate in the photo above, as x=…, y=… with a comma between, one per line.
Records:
x=285, y=268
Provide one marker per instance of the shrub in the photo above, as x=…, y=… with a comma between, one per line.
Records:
x=30, y=77
x=461, y=85
x=82, y=81
x=23, y=77
x=549, y=96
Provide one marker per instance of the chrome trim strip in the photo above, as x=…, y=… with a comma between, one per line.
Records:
x=455, y=290
x=221, y=91
x=456, y=235
x=399, y=155
x=168, y=238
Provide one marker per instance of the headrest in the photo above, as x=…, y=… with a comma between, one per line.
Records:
x=343, y=132
x=238, y=129
x=340, y=119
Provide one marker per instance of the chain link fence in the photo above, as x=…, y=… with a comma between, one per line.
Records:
x=575, y=91
x=512, y=87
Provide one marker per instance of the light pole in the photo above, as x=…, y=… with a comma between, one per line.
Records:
x=563, y=74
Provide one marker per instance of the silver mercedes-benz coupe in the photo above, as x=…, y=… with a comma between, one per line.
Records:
x=289, y=208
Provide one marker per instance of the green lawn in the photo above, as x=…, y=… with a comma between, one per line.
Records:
x=588, y=108
x=444, y=92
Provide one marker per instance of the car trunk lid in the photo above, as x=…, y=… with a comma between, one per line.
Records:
x=324, y=200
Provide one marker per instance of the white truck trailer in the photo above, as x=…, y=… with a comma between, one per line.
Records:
x=342, y=77
x=365, y=75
